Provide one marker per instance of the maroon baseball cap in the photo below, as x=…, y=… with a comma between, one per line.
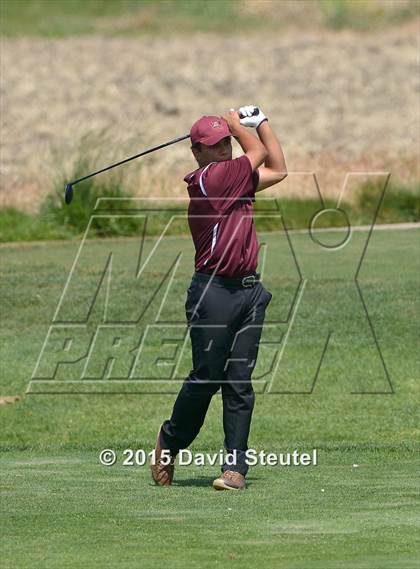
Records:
x=209, y=130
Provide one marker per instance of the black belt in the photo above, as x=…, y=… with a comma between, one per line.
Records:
x=245, y=281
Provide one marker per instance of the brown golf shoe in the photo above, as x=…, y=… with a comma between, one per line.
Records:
x=162, y=470
x=230, y=480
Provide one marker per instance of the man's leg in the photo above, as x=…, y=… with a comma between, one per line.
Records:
x=210, y=313
x=237, y=392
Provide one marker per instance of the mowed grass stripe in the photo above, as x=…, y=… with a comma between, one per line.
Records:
x=61, y=508
x=33, y=281
x=67, y=510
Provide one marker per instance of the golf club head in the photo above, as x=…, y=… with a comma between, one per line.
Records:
x=68, y=196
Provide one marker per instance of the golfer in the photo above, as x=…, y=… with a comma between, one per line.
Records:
x=226, y=302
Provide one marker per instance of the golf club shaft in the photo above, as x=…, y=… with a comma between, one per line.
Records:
x=68, y=196
x=148, y=151
x=131, y=158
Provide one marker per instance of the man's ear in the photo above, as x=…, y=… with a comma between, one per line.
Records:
x=196, y=153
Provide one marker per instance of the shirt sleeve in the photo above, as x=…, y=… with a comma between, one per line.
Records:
x=225, y=182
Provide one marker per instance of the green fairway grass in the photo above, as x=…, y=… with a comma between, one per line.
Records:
x=62, y=508
x=66, y=510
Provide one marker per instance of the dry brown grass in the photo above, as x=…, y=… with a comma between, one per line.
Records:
x=339, y=102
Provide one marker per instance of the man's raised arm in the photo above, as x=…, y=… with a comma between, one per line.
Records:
x=250, y=144
x=274, y=169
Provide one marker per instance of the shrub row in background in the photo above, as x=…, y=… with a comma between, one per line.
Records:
x=55, y=220
x=64, y=18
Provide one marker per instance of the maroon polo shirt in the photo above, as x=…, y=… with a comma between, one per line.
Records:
x=220, y=217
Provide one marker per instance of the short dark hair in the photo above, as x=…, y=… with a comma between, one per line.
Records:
x=196, y=145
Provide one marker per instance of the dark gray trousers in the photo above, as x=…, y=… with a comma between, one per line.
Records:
x=225, y=322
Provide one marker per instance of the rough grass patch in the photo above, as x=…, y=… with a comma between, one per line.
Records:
x=400, y=203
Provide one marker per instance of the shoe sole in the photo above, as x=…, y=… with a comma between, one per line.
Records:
x=219, y=484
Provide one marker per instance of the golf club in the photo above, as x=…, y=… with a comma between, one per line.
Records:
x=69, y=187
x=68, y=195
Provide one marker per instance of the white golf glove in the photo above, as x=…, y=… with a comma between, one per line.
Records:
x=250, y=120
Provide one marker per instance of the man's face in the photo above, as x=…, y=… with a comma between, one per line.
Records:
x=216, y=153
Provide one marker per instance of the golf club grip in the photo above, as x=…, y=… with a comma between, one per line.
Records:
x=256, y=112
